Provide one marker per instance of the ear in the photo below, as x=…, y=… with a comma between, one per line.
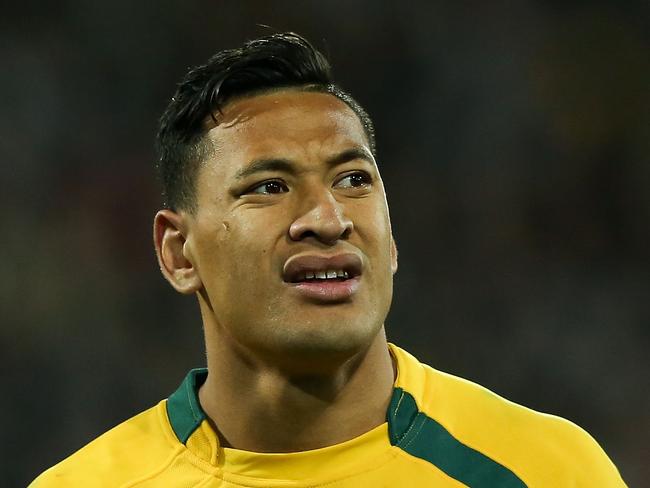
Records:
x=169, y=235
x=393, y=255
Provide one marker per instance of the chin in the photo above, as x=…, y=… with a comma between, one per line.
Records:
x=323, y=342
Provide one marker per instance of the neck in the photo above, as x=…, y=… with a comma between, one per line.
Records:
x=256, y=407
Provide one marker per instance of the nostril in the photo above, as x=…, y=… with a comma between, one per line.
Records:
x=307, y=233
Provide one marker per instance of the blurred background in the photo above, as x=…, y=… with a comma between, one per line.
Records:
x=514, y=141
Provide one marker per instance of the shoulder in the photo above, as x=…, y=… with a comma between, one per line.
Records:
x=130, y=450
x=541, y=449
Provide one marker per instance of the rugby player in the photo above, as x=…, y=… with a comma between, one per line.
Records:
x=276, y=219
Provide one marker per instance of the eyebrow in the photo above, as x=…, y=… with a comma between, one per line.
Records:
x=287, y=166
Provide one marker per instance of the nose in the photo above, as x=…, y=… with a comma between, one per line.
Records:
x=323, y=218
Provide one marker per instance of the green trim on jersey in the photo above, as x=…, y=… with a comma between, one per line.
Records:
x=422, y=437
x=409, y=429
x=183, y=408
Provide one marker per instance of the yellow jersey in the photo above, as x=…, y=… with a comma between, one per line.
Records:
x=440, y=431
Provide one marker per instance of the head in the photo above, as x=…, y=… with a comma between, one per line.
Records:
x=270, y=179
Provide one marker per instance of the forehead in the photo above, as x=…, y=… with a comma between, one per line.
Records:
x=279, y=123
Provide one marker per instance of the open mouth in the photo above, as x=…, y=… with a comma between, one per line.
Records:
x=320, y=276
x=324, y=278
x=311, y=267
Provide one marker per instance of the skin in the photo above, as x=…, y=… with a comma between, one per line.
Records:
x=309, y=374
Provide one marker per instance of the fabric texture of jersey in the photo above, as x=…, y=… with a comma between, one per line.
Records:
x=440, y=431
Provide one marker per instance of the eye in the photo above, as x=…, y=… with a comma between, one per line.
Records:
x=269, y=188
x=354, y=180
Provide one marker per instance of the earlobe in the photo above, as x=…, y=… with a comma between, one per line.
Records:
x=393, y=255
x=174, y=258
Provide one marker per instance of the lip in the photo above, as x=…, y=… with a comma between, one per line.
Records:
x=324, y=291
x=334, y=292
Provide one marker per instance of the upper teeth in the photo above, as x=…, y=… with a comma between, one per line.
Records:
x=324, y=275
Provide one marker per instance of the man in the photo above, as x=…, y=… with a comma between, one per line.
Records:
x=276, y=219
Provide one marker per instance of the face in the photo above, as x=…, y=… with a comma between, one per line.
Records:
x=291, y=241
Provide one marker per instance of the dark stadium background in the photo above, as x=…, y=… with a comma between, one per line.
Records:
x=514, y=141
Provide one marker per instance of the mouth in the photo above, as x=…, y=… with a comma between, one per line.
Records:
x=324, y=278
x=319, y=276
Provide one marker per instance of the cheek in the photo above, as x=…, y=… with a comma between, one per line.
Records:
x=374, y=228
x=240, y=258
x=376, y=240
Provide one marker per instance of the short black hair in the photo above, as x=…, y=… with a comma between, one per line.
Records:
x=278, y=61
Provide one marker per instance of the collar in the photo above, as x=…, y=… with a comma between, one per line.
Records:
x=191, y=427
